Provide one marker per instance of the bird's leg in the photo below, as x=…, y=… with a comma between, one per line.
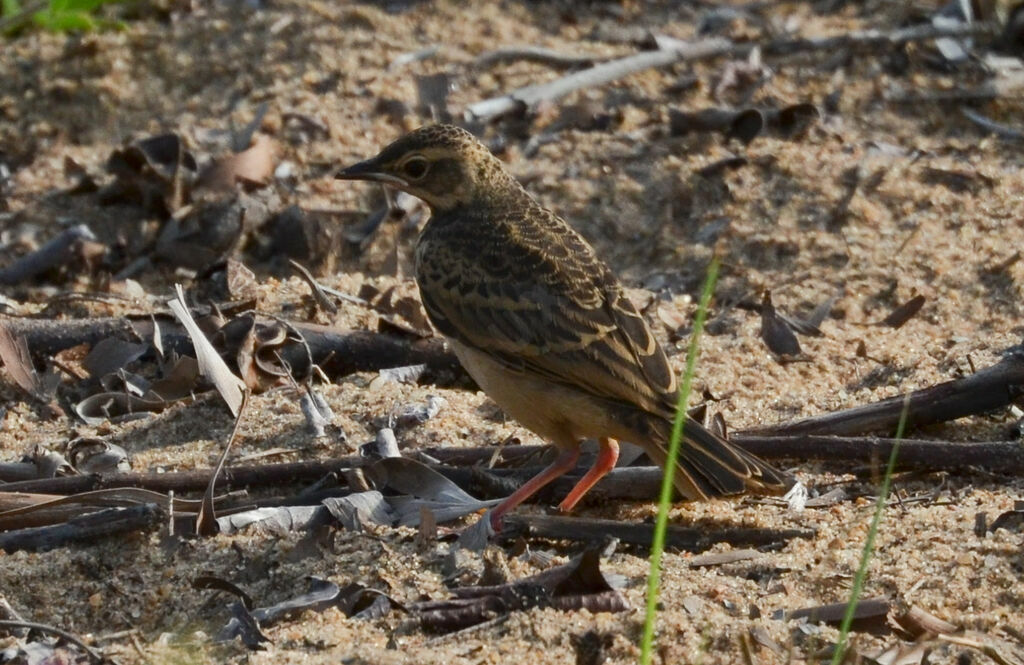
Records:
x=566, y=462
x=605, y=462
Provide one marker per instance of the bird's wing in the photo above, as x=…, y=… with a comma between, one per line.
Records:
x=544, y=303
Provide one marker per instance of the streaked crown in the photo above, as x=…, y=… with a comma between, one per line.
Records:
x=444, y=165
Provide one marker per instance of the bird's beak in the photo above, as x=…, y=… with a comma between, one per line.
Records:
x=369, y=170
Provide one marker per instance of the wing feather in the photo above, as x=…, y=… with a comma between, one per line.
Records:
x=559, y=314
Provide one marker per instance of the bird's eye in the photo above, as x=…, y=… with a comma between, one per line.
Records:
x=415, y=168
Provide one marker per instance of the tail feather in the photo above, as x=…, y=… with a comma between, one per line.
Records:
x=709, y=466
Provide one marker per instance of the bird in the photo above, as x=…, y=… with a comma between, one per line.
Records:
x=543, y=325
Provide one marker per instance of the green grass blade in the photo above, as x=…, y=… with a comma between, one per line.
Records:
x=9, y=8
x=869, y=542
x=658, y=543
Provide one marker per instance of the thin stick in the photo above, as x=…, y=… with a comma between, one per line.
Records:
x=661, y=525
x=206, y=520
x=991, y=388
x=85, y=529
x=996, y=128
x=536, y=54
x=690, y=539
x=531, y=95
x=55, y=253
x=94, y=655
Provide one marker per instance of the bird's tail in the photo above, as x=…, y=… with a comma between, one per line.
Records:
x=709, y=466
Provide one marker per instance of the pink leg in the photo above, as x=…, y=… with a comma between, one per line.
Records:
x=605, y=462
x=566, y=462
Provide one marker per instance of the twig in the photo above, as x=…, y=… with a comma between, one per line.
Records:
x=54, y=253
x=530, y=96
x=206, y=520
x=630, y=483
x=338, y=352
x=536, y=54
x=46, y=337
x=638, y=483
x=682, y=538
x=641, y=483
x=1001, y=87
x=998, y=456
x=318, y=293
x=192, y=481
x=875, y=38
x=85, y=529
x=868, y=610
x=94, y=655
x=996, y=128
x=991, y=388
x=14, y=471
x=990, y=650
x=19, y=511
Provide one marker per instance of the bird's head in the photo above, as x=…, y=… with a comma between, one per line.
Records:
x=446, y=166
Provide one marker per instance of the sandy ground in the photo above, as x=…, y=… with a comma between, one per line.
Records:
x=940, y=213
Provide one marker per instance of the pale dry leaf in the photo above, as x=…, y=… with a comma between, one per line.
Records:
x=253, y=166
x=15, y=356
x=211, y=365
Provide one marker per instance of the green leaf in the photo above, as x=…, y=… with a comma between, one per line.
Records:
x=9, y=7
x=66, y=21
x=89, y=6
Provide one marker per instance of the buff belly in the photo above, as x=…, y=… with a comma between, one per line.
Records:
x=557, y=412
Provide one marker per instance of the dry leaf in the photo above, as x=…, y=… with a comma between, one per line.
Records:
x=252, y=167
x=904, y=312
x=18, y=361
x=117, y=407
x=776, y=334
x=422, y=487
x=211, y=365
x=112, y=354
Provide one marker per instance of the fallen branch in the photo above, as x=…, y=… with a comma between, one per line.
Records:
x=1001, y=87
x=641, y=482
x=867, y=39
x=535, y=54
x=999, y=129
x=340, y=353
x=86, y=529
x=986, y=390
x=191, y=481
x=869, y=615
x=530, y=96
x=20, y=511
x=15, y=471
x=998, y=456
x=462, y=466
x=47, y=337
x=578, y=584
x=41, y=516
x=53, y=254
x=337, y=352
x=94, y=656
x=693, y=539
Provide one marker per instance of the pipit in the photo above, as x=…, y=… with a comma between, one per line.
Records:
x=543, y=325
